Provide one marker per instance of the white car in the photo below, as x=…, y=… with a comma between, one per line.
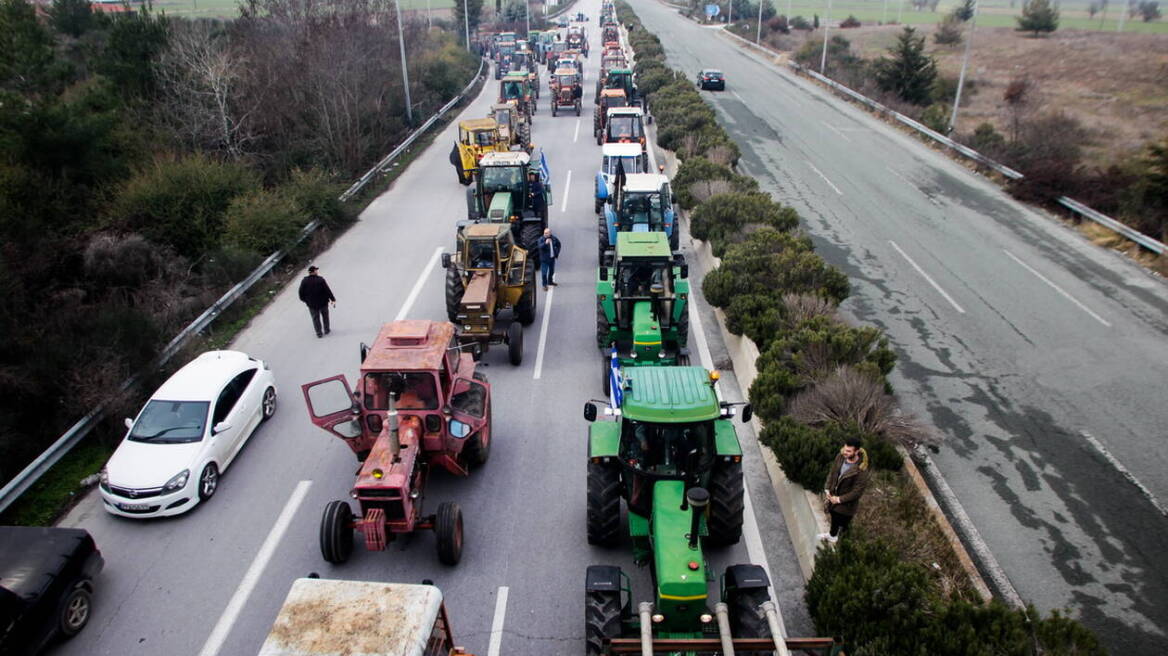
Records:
x=187, y=435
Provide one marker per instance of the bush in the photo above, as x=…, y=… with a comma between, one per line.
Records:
x=263, y=221
x=726, y=218
x=948, y=31
x=317, y=197
x=936, y=117
x=800, y=23
x=804, y=453
x=698, y=170
x=850, y=21
x=181, y=202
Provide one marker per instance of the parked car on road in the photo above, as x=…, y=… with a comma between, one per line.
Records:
x=187, y=435
x=709, y=78
x=46, y=585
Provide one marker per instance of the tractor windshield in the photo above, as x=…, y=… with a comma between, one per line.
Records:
x=644, y=208
x=503, y=178
x=624, y=127
x=567, y=80
x=512, y=90
x=482, y=254
x=502, y=117
x=415, y=390
x=484, y=138
x=642, y=279
x=668, y=450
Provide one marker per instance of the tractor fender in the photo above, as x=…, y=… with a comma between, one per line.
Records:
x=744, y=577
x=610, y=222
x=725, y=439
x=604, y=439
x=601, y=186
x=472, y=205
x=602, y=578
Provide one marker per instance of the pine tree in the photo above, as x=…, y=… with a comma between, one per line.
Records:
x=909, y=72
x=1038, y=16
x=965, y=11
x=474, y=10
x=72, y=17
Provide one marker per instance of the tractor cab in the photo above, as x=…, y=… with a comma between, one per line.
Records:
x=475, y=138
x=616, y=157
x=624, y=125
x=642, y=306
x=491, y=247
x=641, y=202
x=500, y=195
x=410, y=403
x=554, y=52
x=516, y=86
x=514, y=128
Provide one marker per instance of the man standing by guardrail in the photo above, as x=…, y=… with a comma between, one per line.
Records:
x=315, y=293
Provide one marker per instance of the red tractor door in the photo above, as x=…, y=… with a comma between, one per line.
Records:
x=331, y=406
x=470, y=404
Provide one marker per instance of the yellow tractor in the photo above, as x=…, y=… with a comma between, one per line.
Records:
x=476, y=137
x=514, y=125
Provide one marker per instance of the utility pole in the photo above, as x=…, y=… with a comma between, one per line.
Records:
x=758, y=35
x=964, y=66
x=401, y=44
x=527, y=15
x=826, y=31
x=730, y=19
x=466, y=22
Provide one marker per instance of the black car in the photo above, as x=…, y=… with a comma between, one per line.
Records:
x=46, y=585
x=709, y=78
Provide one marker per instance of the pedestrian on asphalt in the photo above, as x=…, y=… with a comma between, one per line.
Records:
x=845, y=485
x=549, y=250
x=315, y=293
x=535, y=196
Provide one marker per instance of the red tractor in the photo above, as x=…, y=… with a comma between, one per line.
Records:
x=418, y=404
x=566, y=90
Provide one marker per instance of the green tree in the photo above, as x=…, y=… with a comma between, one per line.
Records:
x=964, y=11
x=130, y=58
x=948, y=30
x=908, y=72
x=1149, y=10
x=472, y=17
x=1038, y=16
x=723, y=218
x=26, y=49
x=72, y=17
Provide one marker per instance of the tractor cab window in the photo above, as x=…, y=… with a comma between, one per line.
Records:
x=503, y=178
x=484, y=138
x=668, y=450
x=567, y=80
x=655, y=211
x=641, y=280
x=502, y=116
x=482, y=254
x=624, y=127
x=415, y=390
x=511, y=91
x=469, y=397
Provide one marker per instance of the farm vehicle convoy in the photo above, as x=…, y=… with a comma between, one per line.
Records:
x=670, y=454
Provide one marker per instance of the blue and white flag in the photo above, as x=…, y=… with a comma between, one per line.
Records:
x=615, y=381
x=545, y=174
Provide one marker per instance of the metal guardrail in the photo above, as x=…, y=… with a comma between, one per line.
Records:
x=45, y=461
x=1127, y=232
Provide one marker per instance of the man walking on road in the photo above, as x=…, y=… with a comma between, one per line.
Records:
x=845, y=485
x=549, y=250
x=315, y=293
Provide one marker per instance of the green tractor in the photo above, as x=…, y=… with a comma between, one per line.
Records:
x=500, y=195
x=642, y=303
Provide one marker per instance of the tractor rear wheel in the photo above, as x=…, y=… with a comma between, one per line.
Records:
x=525, y=309
x=478, y=450
x=529, y=236
x=604, y=495
x=727, y=500
x=602, y=331
x=515, y=343
x=747, y=619
x=675, y=238
x=454, y=291
x=602, y=620
x=602, y=238
x=525, y=136
x=336, y=532
x=448, y=527
x=683, y=329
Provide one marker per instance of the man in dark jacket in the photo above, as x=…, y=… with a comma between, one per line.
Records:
x=536, y=201
x=549, y=250
x=845, y=485
x=315, y=293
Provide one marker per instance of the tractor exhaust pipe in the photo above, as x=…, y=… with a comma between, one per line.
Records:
x=723, y=613
x=698, y=498
x=394, y=438
x=776, y=626
x=645, y=609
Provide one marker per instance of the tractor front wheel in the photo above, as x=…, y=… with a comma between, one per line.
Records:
x=454, y=291
x=602, y=238
x=747, y=619
x=603, y=503
x=336, y=532
x=515, y=343
x=726, y=504
x=602, y=620
x=602, y=331
x=448, y=527
x=525, y=309
x=529, y=236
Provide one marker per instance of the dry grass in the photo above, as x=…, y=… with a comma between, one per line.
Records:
x=703, y=190
x=803, y=307
x=1115, y=84
x=893, y=509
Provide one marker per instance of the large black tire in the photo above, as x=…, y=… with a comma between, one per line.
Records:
x=525, y=310
x=529, y=236
x=602, y=244
x=448, y=528
x=683, y=328
x=478, y=452
x=336, y=532
x=602, y=620
x=747, y=619
x=727, y=501
x=525, y=136
x=602, y=342
x=454, y=291
x=74, y=610
x=515, y=343
x=675, y=236
x=604, y=495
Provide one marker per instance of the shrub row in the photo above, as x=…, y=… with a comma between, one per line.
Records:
x=821, y=380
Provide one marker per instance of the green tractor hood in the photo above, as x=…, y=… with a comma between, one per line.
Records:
x=501, y=207
x=646, y=332
x=680, y=569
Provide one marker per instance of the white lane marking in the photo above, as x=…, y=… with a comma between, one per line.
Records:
x=1058, y=289
x=928, y=278
x=497, y=623
x=543, y=330
x=567, y=186
x=825, y=179
x=576, y=134
x=247, y=584
x=735, y=93
x=835, y=130
x=1126, y=474
x=897, y=174
x=405, y=308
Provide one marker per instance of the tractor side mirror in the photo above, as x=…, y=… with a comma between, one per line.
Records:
x=685, y=271
x=603, y=273
x=459, y=429
x=589, y=412
x=445, y=265
x=364, y=352
x=747, y=413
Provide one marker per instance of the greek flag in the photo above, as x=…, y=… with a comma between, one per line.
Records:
x=545, y=174
x=615, y=381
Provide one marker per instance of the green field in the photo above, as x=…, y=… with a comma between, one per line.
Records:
x=996, y=13
x=230, y=8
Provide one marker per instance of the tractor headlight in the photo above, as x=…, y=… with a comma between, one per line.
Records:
x=178, y=482
x=706, y=618
x=658, y=618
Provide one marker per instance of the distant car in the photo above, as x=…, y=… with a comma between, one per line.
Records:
x=563, y=22
x=46, y=585
x=709, y=78
x=187, y=435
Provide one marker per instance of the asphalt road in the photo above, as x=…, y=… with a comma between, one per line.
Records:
x=1041, y=357
x=210, y=582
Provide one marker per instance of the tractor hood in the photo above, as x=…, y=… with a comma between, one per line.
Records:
x=680, y=569
x=669, y=394
x=381, y=469
x=646, y=332
x=501, y=207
